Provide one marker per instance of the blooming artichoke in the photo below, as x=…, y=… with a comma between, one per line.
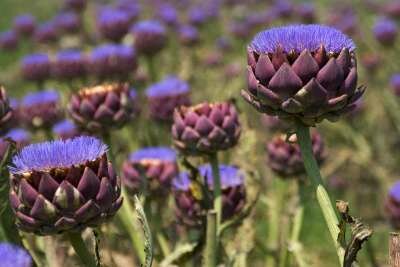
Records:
x=63, y=186
x=205, y=128
x=303, y=73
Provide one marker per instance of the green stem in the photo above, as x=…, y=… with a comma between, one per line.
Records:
x=210, y=251
x=80, y=248
x=37, y=259
x=151, y=69
x=216, y=188
x=312, y=169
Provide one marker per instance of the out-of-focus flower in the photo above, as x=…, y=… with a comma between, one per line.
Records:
x=385, y=31
x=188, y=35
x=75, y=5
x=304, y=73
x=25, y=24
x=63, y=185
x=46, y=32
x=190, y=200
x=69, y=64
x=130, y=7
x=113, y=24
x=112, y=60
x=20, y=136
x=8, y=40
x=205, y=128
x=68, y=22
x=371, y=62
x=273, y=123
x=13, y=255
x=36, y=67
x=151, y=168
x=41, y=109
x=150, y=37
x=224, y=43
x=392, y=205
x=166, y=95
x=197, y=15
x=240, y=29
x=212, y=58
x=395, y=83
x=5, y=110
x=338, y=182
x=15, y=118
x=283, y=8
x=233, y=70
x=285, y=158
x=391, y=8
x=344, y=19
x=65, y=129
x=306, y=12
x=101, y=108
x=168, y=14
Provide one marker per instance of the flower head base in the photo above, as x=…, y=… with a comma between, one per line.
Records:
x=155, y=164
x=69, y=64
x=205, y=128
x=25, y=24
x=12, y=255
x=150, y=37
x=189, y=198
x=385, y=31
x=63, y=186
x=65, y=129
x=113, y=24
x=35, y=67
x=99, y=108
x=40, y=109
x=304, y=73
x=167, y=95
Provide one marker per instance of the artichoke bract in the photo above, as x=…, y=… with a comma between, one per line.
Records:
x=190, y=202
x=285, y=158
x=100, y=108
x=205, y=128
x=63, y=186
x=304, y=73
x=392, y=206
x=151, y=168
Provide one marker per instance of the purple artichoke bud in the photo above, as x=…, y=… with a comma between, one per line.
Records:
x=5, y=110
x=303, y=73
x=65, y=129
x=69, y=64
x=166, y=95
x=306, y=12
x=68, y=22
x=46, y=32
x=75, y=5
x=113, y=24
x=25, y=24
x=385, y=31
x=197, y=15
x=392, y=205
x=205, y=128
x=371, y=62
x=155, y=164
x=36, y=67
x=112, y=60
x=168, y=14
x=130, y=7
x=13, y=255
x=395, y=83
x=150, y=37
x=41, y=109
x=19, y=136
x=63, y=185
x=98, y=109
x=189, y=199
x=188, y=35
x=273, y=123
x=285, y=158
x=8, y=40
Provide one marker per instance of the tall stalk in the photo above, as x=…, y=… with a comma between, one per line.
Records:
x=80, y=248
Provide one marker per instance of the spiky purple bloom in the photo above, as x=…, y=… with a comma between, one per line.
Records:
x=46, y=32
x=69, y=64
x=112, y=60
x=13, y=255
x=41, y=109
x=385, y=31
x=75, y=5
x=150, y=36
x=8, y=40
x=155, y=164
x=68, y=22
x=163, y=97
x=63, y=185
x=65, y=129
x=35, y=67
x=168, y=14
x=24, y=24
x=190, y=199
x=392, y=205
x=113, y=24
x=395, y=83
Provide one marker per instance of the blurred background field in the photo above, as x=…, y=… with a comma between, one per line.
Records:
x=362, y=159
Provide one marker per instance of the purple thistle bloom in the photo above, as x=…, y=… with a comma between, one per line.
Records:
x=35, y=67
x=157, y=153
x=25, y=24
x=68, y=22
x=299, y=37
x=69, y=64
x=46, y=32
x=57, y=154
x=65, y=129
x=385, y=31
x=395, y=83
x=150, y=36
x=12, y=255
x=8, y=40
x=168, y=14
x=113, y=24
x=188, y=35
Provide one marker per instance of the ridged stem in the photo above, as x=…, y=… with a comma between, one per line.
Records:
x=210, y=251
x=151, y=69
x=216, y=187
x=296, y=227
x=80, y=248
x=312, y=169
